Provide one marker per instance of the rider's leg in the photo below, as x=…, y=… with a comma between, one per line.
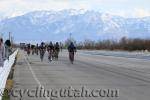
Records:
x=71, y=57
x=51, y=56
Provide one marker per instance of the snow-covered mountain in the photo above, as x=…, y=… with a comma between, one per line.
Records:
x=1, y=17
x=52, y=25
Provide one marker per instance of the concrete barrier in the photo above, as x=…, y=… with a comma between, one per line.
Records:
x=5, y=70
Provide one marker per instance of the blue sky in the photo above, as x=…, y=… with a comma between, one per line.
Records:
x=125, y=8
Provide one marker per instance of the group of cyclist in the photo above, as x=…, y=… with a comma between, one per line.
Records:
x=52, y=49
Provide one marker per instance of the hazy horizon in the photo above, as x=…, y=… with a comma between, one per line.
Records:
x=124, y=8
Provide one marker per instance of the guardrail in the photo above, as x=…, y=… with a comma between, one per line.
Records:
x=5, y=70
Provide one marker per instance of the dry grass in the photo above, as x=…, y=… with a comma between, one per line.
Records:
x=9, y=86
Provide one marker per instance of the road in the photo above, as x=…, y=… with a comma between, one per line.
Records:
x=129, y=76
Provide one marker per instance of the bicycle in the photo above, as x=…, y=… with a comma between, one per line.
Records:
x=50, y=56
x=71, y=57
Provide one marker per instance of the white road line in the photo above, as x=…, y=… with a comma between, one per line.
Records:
x=34, y=75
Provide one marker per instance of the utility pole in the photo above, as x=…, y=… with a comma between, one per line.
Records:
x=9, y=36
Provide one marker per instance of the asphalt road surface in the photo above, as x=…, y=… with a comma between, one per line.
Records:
x=91, y=77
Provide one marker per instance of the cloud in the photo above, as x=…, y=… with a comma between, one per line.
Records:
x=18, y=7
x=15, y=7
x=132, y=13
x=142, y=12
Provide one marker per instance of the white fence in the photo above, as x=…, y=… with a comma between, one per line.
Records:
x=5, y=70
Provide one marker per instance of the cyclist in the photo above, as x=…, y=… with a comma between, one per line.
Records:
x=42, y=51
x=61, y=47
x=50, y=50
x=28, y=49
x=33, y=49
x=36, y=49
x=56, y=50
x=71, y=50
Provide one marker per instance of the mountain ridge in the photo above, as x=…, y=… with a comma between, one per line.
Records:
x=57, y=25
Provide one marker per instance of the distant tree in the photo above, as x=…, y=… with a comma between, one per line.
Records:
x=68, y=41
x=89, y=44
